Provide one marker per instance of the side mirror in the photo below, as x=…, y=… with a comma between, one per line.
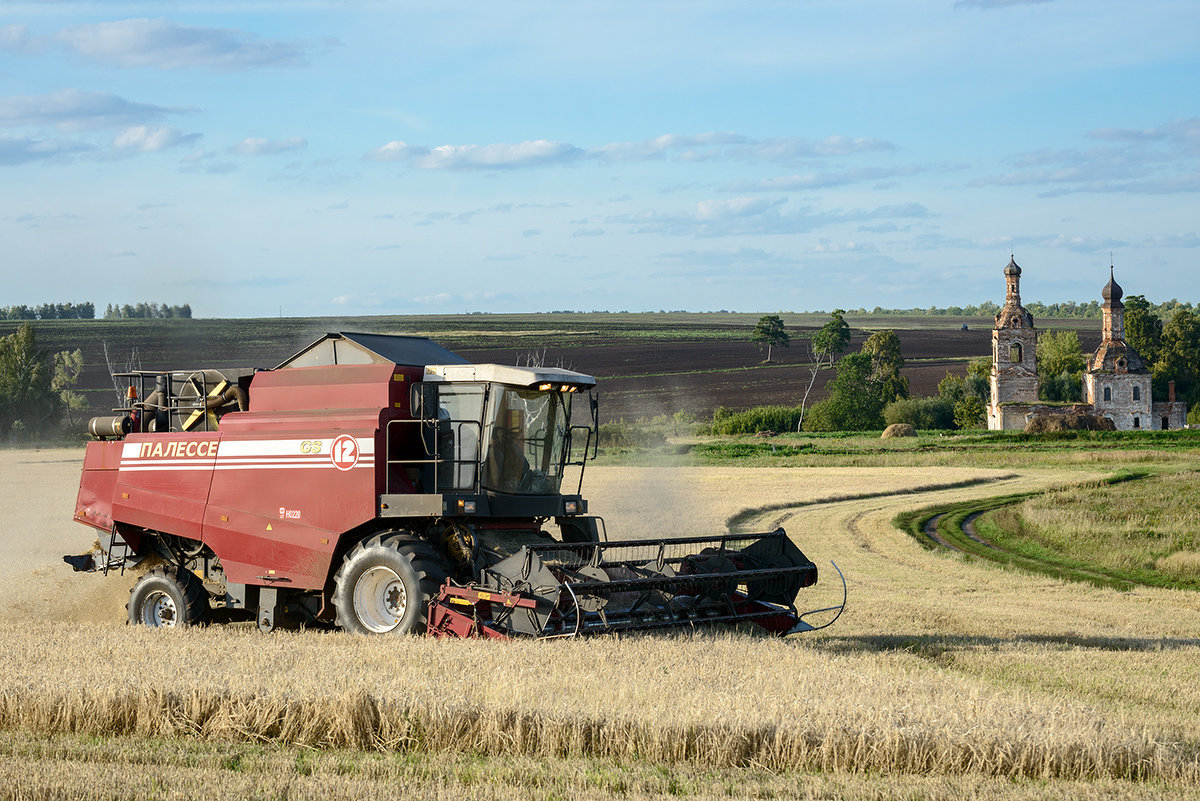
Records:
x=423, y=400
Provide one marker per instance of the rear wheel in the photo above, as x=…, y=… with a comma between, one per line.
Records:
x=168, y=597
x=385, y=584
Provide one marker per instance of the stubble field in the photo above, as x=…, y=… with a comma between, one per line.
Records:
x=945, y=678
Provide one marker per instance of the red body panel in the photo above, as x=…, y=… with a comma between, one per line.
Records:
x=93, y=505
x=275, y=487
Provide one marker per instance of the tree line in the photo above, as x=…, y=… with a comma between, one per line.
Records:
x=87, y=311
x=1069, y=310
x=147, y=311
x=49, y=311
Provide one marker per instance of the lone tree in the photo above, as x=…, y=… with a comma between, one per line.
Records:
x=770, y=331
x=824, y=348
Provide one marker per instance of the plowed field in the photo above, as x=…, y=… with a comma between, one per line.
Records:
x=648, y=364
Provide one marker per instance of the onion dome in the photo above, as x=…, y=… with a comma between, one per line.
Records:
x=1112, y=290
x=1013, y=268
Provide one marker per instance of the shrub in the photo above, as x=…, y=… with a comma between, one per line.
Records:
x=759, y=418
x=921, y=413
x=821, y=417
x=622, y=435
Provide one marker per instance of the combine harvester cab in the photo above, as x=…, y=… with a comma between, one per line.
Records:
x=384, y=484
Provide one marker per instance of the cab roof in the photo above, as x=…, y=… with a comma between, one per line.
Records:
x=505, y=374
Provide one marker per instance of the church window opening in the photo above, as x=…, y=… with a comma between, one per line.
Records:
x=1137, y=423
x=1137, y=393
x=1166, y=423
x=1108, y=393
x=1014, y=352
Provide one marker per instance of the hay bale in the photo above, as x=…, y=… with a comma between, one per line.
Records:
x=1071, y=421
x=898, y=430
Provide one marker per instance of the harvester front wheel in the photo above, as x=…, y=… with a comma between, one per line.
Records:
x=168, y=597
x=385, y=584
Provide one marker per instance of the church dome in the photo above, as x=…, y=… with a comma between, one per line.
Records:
x=1013, y=268
x=1112, y=290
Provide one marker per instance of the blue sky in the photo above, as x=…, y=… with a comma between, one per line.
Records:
x=329, y=158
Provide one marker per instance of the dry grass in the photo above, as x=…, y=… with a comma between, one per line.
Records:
x=946, y=678
x=794, y=707
x=1148, y=529
x=71, y=768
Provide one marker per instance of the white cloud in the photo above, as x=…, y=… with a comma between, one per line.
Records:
x=707, y=210
x=792, y=148
x=396, y=151
x=77, y=110
x=16, y=39
x=1151, y=161
x=267, y=147
x=682, y=147
x=1171, y=241
x=660, y=146
x=821, y=180
x=754, y=216
x=162, y=44
x=150, y=138
x=538, y=153
x=23, y=149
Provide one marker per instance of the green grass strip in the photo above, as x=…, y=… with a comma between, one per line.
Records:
x=950, y=519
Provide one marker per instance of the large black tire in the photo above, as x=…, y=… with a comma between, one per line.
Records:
x=385, y=584
x=168, y=597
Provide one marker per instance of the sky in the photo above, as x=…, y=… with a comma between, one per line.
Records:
x=312, y=158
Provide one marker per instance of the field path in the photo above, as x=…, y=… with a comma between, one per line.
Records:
x=1134, y=653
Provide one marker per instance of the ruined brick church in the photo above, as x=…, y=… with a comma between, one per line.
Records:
x=1116, y=382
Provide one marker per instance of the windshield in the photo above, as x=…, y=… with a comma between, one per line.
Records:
x=525, y=432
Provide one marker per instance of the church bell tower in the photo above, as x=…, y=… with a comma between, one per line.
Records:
x=1014, y=351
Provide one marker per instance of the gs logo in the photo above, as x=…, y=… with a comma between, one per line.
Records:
x=310, y=446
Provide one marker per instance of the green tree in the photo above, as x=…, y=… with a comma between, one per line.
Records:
x=25, y=394
x=1060, y=364
x=68, y=365
x=824, y=348
x=1143, y=328
x=975, y=384
x=887, y=361
x=770, y=332
x=1179, y=359
x=855, y=402
x=968, y=412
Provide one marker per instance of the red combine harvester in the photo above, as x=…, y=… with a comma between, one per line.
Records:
x=384, y=484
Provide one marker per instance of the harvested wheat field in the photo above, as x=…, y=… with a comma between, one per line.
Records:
x=945, y=678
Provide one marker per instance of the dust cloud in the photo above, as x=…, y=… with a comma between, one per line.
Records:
x=37, y=496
